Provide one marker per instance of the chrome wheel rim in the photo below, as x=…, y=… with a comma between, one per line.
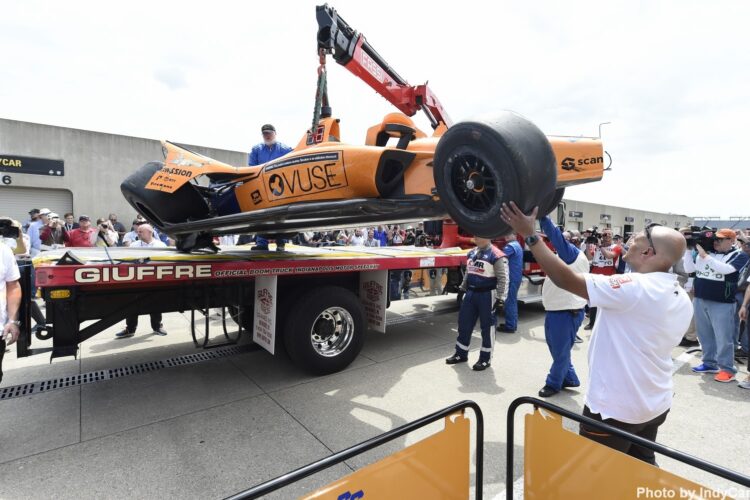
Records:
x=332, y=332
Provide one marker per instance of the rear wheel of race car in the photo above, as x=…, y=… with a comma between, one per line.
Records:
x=325, y=332
x=159, y=207
x=546, y=208
x=481, y=164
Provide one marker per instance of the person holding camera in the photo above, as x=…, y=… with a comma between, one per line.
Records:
x=603, y=255
x=642, y=317
x=715, y=286
x=106, y=236
x=83, y=236
x=487, y=275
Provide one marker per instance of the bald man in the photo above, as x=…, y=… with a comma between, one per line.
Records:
x=643, y=316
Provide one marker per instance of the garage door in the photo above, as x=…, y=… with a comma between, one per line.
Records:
x=17, y=201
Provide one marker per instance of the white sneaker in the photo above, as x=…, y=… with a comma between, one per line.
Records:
x=745, y=384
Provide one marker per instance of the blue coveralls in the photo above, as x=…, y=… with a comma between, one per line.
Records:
x=560, y=327
x=259, y=155
x=514, y=252
x=481, y=281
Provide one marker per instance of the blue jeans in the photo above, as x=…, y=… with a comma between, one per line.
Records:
x=714, y=324
x=560, y=329
x=511, y=306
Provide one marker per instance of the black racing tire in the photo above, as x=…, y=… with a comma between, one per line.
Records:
x=326, y=331
x=481, y=164
x=161, y=208
x=548, y=207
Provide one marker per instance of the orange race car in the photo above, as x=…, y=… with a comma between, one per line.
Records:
x=464, y=170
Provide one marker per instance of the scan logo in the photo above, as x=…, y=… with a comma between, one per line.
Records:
x=568, y=163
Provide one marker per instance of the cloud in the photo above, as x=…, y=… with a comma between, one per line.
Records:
x=174, y=78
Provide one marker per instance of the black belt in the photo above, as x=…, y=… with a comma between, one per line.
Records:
x=481, y=289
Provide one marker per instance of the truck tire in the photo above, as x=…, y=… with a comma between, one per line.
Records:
x=158, y=207
x=481, y=164
x=326, y=331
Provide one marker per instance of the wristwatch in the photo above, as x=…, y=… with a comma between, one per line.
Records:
x=15, y=322
x=532, y=240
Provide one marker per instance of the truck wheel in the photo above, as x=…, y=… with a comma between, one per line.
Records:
x=481, y=164
x=326, y=331
x=161, y=208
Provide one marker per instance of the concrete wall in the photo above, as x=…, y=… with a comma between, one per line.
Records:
x=592, y=216
x=95, y=163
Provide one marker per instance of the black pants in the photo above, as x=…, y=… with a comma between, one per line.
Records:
x=2, y=355
x=132, y=322
x=646, y=430
x=592, y=316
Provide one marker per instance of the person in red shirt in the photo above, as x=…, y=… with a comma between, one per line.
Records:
x=604, y=258
x=84, y=236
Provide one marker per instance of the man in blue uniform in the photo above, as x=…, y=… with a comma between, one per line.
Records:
x=514, y=252
x=268, y=150
x=486, y=275
x=564, y=314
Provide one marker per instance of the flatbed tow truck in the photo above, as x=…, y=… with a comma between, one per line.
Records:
x=316, y=302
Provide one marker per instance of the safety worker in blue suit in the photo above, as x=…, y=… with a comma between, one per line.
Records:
x=485, y=288
x=564, y=314
x=514, y=252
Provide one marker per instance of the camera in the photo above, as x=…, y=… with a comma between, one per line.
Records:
x=8, y=230
x=703, y=236
x=594, y=238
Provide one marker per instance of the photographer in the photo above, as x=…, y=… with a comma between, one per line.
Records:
x=603, y=256
x=716, y=277
x=643, y=316
x=53, y=233
x=105, y=235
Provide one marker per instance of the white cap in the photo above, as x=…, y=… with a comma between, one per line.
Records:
x=53, y=215
x=45, y=211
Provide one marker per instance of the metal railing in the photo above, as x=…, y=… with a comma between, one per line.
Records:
x=310, y=469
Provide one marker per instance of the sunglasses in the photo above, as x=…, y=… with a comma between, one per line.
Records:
x=648, y=235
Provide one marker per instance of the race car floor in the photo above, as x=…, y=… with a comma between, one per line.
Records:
x=212, y=428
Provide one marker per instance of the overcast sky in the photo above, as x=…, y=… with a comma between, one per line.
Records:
x=672, y=77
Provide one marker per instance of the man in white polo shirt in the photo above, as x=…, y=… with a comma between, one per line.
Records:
x=643, y=316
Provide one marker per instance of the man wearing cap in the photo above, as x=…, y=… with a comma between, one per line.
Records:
x=35, y=241
x=716, y=277
x=33, y=215
x=266, y=151
x=84, y=236
x=53, y=233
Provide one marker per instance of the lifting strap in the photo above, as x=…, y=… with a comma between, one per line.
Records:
x=321, y=93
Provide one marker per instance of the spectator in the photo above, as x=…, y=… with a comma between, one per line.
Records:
x=33, y=216
x=268, y=150
x=630, y=358
x=105, y=234
x=396, y=236
x=688, y=265
x=743, y=313
x=84, y=236
x=742, y=286
x=53, y=233
x=34, y=240
x=228, y=240
x=70, y=222
x=587, y=233
x=146, y=239
x=486, y=279
x=514, y=252
x=603, y=257
x=411, y=237
x=118, y=228
x=371, y=240
x=381, y=235
x=564, y=314
x=716, y=277
x=10, y=301
x=357, y=239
